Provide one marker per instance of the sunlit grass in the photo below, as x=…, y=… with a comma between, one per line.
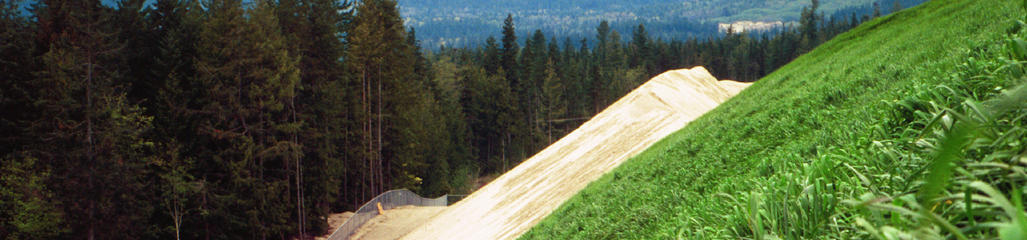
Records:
x=903, y=128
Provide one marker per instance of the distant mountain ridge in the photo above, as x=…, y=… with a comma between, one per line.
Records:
x=462, y=23
x=469, y=22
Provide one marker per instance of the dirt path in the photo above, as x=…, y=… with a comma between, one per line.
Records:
x=395, y=223
x=519, y=199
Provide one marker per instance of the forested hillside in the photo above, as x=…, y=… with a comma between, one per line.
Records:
x=460, y=23
x=216, y=121
x=229, y=119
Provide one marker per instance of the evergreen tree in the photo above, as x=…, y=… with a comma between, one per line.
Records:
x=249, y=116
x=322, y=102
x=533, y=60
x=384, y=61
x=27, y=204
x=437, y=106
x=83, y=111
x=136, y=35
x=175, y=23
x=877, y=10
x=641, y=53
x=554, y=54
x=554, y=107
x=808, y=26
x=493, y=56
x=510, y=51
x=490, y=116
x=615, y=51
x=16, y=67
x=453, y=156
x=603, y=47
x=853, y=21
x=518, y=141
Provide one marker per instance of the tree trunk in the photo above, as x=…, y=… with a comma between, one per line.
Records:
x=370, y=143
x=381, y=181
x=299, y=174
x=90, y=154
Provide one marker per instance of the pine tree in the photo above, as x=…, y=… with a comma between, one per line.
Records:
x=16, y=67
x=641, y=54
x=383, y=60
x=493, y=58
x=136, y=35
x=853, y=21
x=516, y=142
x=325, y=102
x=220, y=128
x=277, y=79
x=809, y=25
x=27, y=204
x=877, y=10
x=452, y=153
x=553, y=54
x=322, y=102
x=553, y=92
x=84, y=112
x=491, y=118
x=615, y=51
x=249, y=118
x=510, y=51
x=533, y=60
x=175, y=23
x=365, y=59
x=603, y=43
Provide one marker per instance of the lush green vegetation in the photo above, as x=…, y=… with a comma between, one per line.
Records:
x=516, y=100
x=215, y=119
x=229, y=119
x=908, y=127
x=256, y=119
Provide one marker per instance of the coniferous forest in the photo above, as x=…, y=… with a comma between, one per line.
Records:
x=230, y=119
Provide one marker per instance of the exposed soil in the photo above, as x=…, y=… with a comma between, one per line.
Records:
x=395, y=222
x=513, y=203
x=483, y=180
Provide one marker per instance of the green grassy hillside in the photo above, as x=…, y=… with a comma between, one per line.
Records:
x=885, y=131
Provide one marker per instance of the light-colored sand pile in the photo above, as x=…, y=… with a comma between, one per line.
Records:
x=395, y=222
x=510, y=205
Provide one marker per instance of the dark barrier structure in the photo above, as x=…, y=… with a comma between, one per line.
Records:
x=389, y=200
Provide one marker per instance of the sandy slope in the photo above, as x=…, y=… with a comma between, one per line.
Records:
x=395, y=222
x=519, y=199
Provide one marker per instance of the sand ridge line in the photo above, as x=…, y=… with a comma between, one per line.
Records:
x=514, y=202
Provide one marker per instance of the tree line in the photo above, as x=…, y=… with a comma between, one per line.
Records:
x=517, y=100
x=210, y=119
x=226, y=119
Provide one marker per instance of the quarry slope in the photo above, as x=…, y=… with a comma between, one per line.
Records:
x=520, y=198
